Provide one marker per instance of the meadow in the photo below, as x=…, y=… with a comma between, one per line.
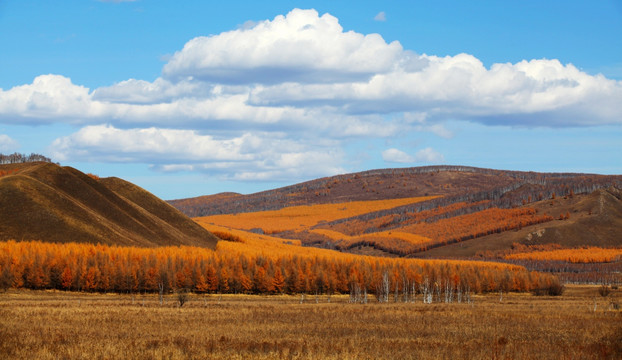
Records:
x=580, y=324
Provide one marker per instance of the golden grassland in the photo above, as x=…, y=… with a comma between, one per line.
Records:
x=56, y=325
x=302, y=217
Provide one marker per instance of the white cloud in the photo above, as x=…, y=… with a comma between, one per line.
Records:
x=144, y=92
x=302, y=71
x=7, y=144
x=291, y=83
x=427, y=155
x=259, y=156
x=532, y=93
x=300, y=46
x=396, y=156
x=50, y=98
x=381, y=16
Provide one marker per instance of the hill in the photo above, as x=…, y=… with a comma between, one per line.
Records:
x=595, y=219
x=456, y=182
x=435, y=211
x=44, y=201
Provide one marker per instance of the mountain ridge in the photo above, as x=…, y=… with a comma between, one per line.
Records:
x=457, y=208
x=391, y=183
x=44, y=201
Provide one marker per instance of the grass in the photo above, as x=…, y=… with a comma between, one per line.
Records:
x=58, y=325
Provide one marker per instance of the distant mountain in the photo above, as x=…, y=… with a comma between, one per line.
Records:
x=455, y=183
x=595, y=219
x=473, y=210
x=47, y=202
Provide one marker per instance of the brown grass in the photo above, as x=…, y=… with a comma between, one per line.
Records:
x=56, y=325
x=44, y=201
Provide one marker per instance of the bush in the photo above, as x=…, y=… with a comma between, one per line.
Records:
x=554, y=289
x=604, y=290
x=182, y=298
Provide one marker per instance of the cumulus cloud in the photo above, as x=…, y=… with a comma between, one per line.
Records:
x=52, y=97
x=396, y=156
x=300, y=46
x=298, y=80
x=427, y=155
x=302, y=68
x=7, y=144
x=249, y=156
x=536, y=92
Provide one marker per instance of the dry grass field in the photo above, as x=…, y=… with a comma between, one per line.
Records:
x=57, y=325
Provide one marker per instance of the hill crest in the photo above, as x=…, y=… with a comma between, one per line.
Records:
x=44, y=201
x=383, y=184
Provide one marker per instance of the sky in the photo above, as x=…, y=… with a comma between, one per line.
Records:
x=198, y=97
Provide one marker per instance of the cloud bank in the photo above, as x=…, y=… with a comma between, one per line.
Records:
x=260, y=101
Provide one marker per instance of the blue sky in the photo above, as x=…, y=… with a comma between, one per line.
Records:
x=195, y=97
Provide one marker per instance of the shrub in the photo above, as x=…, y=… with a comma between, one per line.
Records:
x=182, y=298
x=553, y=289
x=604, y=290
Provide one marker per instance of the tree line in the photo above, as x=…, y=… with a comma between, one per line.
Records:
x=102, y=268
x=17, y=158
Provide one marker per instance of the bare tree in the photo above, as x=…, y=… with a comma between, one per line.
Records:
x=161, y=292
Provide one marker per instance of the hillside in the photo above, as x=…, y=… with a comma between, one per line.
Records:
x=595, y=219
x=44, y=201
x=437, y=211
x=456, y=182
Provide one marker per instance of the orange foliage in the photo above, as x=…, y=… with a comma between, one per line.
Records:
x=475, y=225
x=357, y=226
x=583, y=255
x=419, y=236
x=7, y=172
x=226, y=236
x=87, y=267
x=396, y=242
x=302, y=217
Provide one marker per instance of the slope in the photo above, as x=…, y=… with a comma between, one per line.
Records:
x=44, y=201
x=454, y=182
x=593, y=219
x=461, y=205
x=383, y=184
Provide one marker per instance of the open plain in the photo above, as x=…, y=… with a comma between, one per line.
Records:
x=580, y=324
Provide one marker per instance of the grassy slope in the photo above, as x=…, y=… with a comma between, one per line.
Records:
x=44, y=201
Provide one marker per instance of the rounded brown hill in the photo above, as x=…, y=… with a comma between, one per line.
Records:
x=47, y=202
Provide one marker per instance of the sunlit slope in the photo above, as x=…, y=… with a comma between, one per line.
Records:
x=355, y=225
x=582, y=255
x=298, y=218
x=47, y=202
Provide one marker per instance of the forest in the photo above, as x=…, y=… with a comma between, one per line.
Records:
x=102, y=268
